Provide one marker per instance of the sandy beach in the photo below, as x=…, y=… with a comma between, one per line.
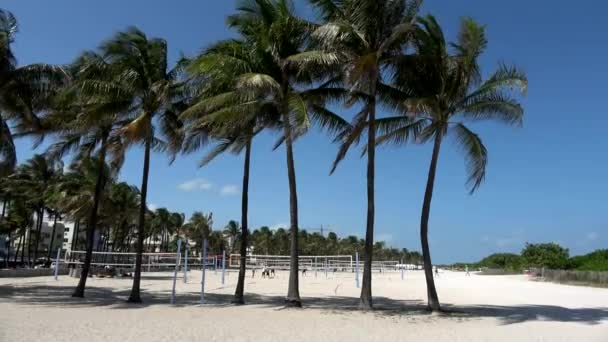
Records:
x=483, y=308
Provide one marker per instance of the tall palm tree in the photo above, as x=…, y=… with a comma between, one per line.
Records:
x=140, y=70
x=228, y=117
x=446, y=91
x=361, y=39
x=85, y=121
x=284, y=80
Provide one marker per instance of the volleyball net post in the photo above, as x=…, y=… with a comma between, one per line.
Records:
x=186, y=263
x=223, y=267
x=178, y=256
x=203, y=268
x=57, y=263
x=357, y=269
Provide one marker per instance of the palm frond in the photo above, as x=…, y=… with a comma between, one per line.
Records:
x=476, y=155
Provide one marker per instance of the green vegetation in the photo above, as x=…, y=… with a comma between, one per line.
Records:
x=542, y=255
x=281, y=74
x=549, y=255
x=594, y=261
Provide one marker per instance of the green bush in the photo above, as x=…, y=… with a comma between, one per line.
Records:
x=594, y=261
x=549, y=255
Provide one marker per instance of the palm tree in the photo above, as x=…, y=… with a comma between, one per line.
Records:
x=228, y=117
x=361, y=39
x=446, y=91
x=85, y=121
x=232, y=230
x=140, y=70
x=123, y=210
x=277, y=37
x=199, y=227
x=177, y=223
x=24, y=91
x=34, y=180
x=162, y=225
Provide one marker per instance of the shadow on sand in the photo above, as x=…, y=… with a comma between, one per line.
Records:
x=60, y=296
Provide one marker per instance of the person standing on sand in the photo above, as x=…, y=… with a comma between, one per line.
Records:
x=466, y=268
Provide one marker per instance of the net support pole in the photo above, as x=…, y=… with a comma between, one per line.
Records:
x=177, y=260
x=402, y=272
x=203, y=267
x=357, y=269
x=325, y=268
x=186, y=263
x=57, y=263
x=223, y=266
x=316, y=266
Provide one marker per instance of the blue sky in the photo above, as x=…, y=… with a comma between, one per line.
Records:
x=546, y=181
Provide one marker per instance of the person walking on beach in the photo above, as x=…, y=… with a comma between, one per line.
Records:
x=466, y=268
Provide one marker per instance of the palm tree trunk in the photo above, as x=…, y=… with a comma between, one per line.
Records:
x=76, y=233
x=48, y=254
x=92, y=225
x=433, y=299
x=8, y=249
x=38, y=231
x=240, y=286
x=366, y=286
x=293, y=291
x=135, y=297
x=24, y=241
x=18, y=248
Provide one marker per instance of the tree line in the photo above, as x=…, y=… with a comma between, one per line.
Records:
x=45, y=190
x=543, y=255
x=282, y=74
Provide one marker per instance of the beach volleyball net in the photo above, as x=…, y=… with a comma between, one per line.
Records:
x=282, y=262
x=151, y=262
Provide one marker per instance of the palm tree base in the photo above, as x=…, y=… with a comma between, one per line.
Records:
x=433, y=308
x=293, y=303
x=238, y=301
x=134, y=300
x=78, y=294
x=365, y=305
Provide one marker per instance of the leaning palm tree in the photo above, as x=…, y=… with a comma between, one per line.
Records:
x=283, y=83
x=446, y=91
x=361, y=39
x=140, y=71
x=85, y=121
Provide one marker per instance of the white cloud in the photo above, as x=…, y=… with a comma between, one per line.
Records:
x=229, y=190
x=197, y=184
x=152, y=206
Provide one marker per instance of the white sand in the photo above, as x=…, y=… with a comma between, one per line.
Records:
x=489, y=308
